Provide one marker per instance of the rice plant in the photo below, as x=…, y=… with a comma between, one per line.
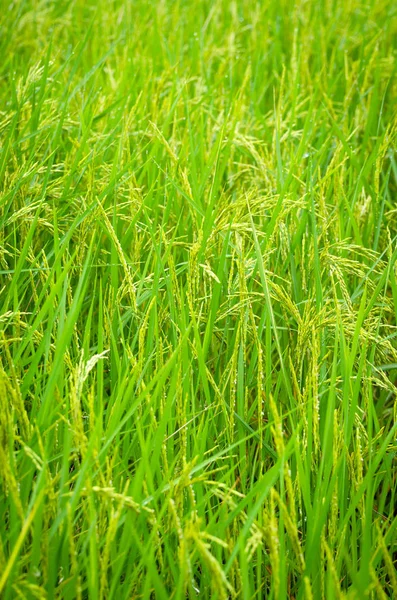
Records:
x=198, y=296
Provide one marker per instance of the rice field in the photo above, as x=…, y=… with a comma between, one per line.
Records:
x=198, y=297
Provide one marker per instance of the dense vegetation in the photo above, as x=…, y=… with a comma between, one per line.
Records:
x=198, y=295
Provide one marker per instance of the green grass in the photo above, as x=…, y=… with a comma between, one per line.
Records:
x=198, y=296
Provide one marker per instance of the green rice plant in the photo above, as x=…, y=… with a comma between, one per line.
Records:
x=198, y=299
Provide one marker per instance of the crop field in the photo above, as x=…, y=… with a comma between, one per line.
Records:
x=198, y=298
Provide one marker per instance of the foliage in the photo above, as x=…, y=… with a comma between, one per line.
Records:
x=197, y=299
